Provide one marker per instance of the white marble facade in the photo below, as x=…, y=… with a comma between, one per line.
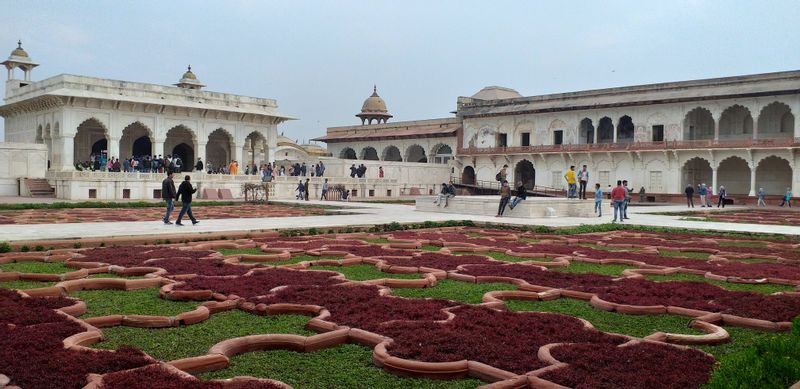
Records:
x=75, y=116
x=741, y=132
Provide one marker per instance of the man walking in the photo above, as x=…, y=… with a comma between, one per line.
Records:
x=324, y=190
x=570, y=177
x=598, y=199
x=305, y=188
x=185, y=192
x=627, y=198
x=689, y=196
x=618, y=199
x=721, y=196
x=583, y=178
x=168, y=194
x=761, y=195
x=703, y=191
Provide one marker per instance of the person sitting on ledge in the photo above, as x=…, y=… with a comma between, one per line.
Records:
x=522, y=194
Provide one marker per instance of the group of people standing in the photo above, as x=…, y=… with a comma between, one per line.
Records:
x=573, y=179
x=722, y=195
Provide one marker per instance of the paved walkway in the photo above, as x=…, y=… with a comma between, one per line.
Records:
x=366, y=214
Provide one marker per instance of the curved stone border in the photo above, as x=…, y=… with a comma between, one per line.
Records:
x=95, y=381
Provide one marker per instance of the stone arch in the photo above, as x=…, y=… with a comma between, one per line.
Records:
x=219, y=149
x=605, y=130
x=526, y=173
x=181, y=141
x=369, y=153
x=696, y=171
x=586, y=131
x=391, y=153
x=136, y=141
x=442, y=153
x=734, y=173
x=91, y=137
x=347, y=153
x=416, y=153
x=256, y=152
x=698, y=124
x=774, y=174
x=468, y=176
x=625, y=129
x=776, y=120
x=735, y=122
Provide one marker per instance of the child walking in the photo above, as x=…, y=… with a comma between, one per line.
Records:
x=598, y=200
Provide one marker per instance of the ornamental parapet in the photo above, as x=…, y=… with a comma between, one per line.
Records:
x=637, y=146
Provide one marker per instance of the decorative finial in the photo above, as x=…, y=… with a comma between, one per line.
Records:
x=19, y=44
x=374, y=88
x=190, y=68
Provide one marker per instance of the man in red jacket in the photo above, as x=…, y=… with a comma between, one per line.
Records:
x=618, y=198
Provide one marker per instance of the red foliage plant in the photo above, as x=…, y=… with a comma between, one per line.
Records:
x=206, y=267
x=157, y=377
x=702, y=296
x=439, y=261
x=368, y=251
x=584, y=282
x=32, y=353
x=362, y=306
x=135, y=255
x=638, y=366
x=260, y=283
x=505, y=340
x=14, y=309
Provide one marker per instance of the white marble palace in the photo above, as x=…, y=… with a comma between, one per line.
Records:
x=76, y=116
x=738, y=132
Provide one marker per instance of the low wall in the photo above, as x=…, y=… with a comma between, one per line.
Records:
x=488, y=205
x=88, y=185
x=20, y=160
x=283, y=188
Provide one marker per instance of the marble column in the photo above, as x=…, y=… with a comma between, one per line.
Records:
x=158, y=147
x=752, y=180
x=714, y=180
x=238, y=150
x=66, y=158
x=201, y=153
x=113, y=148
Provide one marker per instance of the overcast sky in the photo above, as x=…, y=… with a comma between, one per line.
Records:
x=320, y=59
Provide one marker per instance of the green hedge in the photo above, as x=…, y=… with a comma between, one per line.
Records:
x=774, y=363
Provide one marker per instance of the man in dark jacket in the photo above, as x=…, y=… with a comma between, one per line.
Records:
x=305, y=189
x=168, y=194
x=689, y=191
x=199, y=165
x=522, y=194
x=185, y=192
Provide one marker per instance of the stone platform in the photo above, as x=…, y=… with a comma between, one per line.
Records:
x=532, y=207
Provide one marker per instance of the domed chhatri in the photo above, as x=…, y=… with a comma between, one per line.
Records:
x=19, y=58
x=19, y=52
x=374, y=108
x=189, y=80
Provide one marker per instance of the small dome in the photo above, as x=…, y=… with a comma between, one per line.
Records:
x=19, y=51
x=374, y=103
x=496, y=93
x=189, y=75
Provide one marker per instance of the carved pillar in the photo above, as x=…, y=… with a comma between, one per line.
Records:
x=714, y=180
x=752, y=179
x=158, y=147
x=755, y=127
x=66, y=159
x=201, y=153
x=113, y=148
x=238, y=149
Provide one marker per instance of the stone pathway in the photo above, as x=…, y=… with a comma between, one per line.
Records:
x=368, y=214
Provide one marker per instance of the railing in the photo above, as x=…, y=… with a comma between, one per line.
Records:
x=636, y=146
x=537, y=190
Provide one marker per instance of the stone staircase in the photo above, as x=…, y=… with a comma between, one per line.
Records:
x=39, y=187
